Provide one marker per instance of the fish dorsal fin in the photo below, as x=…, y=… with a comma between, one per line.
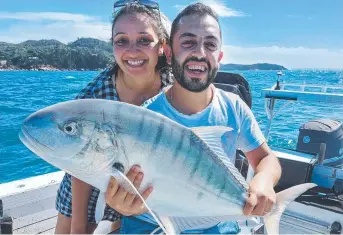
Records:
x=222, y=141
x=215, y=137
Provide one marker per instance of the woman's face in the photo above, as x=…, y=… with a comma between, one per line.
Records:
x=135, y=44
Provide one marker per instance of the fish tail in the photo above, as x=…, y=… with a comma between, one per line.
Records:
x=283, y=198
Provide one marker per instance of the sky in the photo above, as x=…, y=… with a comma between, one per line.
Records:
x=295, y=33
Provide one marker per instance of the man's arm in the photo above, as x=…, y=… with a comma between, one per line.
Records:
x=81, y=192
x=261, y=188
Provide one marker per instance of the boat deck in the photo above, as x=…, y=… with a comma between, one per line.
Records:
x=43, y=222
x=28, y=206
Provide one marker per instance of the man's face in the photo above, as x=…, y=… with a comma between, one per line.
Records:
x=196, y=52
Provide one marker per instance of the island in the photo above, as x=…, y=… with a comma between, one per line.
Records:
x=259, y=66
x=82, y=54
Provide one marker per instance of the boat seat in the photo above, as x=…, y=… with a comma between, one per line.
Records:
x=235, y=83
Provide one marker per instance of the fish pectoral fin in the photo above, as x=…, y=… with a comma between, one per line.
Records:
x=283, y=198
x=220, y=139
x=100, y=207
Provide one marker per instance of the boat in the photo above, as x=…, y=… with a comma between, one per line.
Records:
x=27, y=206
x=318, y=158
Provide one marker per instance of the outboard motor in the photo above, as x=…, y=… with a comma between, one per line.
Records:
x=325, y=138
x=330, y=132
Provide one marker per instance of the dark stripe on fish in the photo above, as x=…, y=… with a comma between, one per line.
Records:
x=209, y=175
x=179, y=145
x=158, y=135
x=141, y=124
x=222, y=188
x=198, y=159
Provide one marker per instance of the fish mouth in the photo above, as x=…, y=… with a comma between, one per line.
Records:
x=33, y=144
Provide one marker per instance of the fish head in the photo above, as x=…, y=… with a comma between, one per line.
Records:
x=73, y=137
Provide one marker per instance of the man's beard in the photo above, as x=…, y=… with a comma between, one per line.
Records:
x=193, y=84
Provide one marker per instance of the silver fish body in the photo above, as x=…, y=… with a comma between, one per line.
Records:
x=189, y=169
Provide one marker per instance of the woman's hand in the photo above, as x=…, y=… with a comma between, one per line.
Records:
x=124, y=202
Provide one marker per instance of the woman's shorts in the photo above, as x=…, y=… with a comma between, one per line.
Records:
x=64, y=206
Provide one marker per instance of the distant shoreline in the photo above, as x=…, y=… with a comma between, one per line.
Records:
x=48, y=70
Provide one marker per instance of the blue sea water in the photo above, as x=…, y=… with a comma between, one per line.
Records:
x=23, y=92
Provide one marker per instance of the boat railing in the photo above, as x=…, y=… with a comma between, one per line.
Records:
x=304, y=86
x=281, y=91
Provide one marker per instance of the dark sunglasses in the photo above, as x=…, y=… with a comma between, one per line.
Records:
x=146, y=3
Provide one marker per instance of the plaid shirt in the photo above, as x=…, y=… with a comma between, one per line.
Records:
x=101, y=87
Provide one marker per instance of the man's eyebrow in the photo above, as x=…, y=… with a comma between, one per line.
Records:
x=188, y=35
x=212, y=37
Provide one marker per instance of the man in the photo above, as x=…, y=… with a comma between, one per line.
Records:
x=193, y=101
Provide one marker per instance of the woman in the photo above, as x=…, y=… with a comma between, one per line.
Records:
x=139, y=73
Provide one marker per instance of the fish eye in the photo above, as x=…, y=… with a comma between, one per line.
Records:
x=70, y=128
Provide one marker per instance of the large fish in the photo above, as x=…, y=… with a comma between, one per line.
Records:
x=195, y=184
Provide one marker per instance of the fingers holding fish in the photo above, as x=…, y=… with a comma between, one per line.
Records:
x=112, y=187
x=260, y=206
x=269, y=205
x=136, y=177
x=137, y=183
x=261, y=195
x=123, y=201
x=250, y=204
x=138, y=203
x=133, y=172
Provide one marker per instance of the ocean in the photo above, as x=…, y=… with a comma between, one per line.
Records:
x=23, y=92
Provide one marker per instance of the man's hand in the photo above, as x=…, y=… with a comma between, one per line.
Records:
x=124, y=202
x=262, y=196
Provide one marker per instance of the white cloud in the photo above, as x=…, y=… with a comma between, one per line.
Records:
x=38, y=16
x=290, y=57
x=61, y=26
x=219, y=8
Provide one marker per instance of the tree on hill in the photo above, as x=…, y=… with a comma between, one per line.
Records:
x=92, y=43
x=43, y=42
x=84, y=53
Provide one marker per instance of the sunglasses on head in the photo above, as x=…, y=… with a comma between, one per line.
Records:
x=146, y=3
